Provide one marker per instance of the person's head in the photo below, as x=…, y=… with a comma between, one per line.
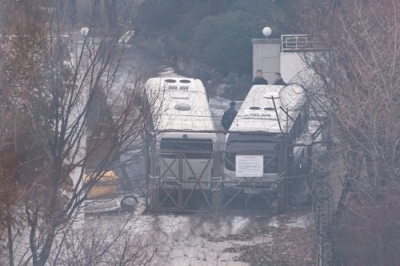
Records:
x=233, y=104
x=277, y=76
x=259, y=73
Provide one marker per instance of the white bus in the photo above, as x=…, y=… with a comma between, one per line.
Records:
x=268, y=114
x=182, y=114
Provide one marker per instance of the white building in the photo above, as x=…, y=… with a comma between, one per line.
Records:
x=285, y=55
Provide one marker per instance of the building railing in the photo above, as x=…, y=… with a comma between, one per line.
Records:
x=300, y=42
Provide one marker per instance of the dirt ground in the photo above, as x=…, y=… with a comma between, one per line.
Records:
x=222, y=240
x=291, y=242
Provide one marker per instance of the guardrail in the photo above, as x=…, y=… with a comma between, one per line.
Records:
x=300, y=42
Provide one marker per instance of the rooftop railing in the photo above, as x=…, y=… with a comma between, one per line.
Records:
x=300, y=42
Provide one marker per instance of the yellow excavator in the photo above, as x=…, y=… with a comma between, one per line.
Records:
x=106, y=195
x=106, y=186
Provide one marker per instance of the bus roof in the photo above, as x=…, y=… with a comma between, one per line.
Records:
x=258, y=112
x=181, y=104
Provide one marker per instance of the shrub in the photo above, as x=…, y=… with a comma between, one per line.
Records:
x=155, y=15
x=268, y=10
x=224, y=42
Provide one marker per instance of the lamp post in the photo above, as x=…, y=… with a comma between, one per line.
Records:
x=85, y=32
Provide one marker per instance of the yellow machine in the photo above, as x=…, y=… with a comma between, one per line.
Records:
x=107, y=185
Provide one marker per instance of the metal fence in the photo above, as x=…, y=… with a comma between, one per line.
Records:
x=181, y=184
x=300, y=43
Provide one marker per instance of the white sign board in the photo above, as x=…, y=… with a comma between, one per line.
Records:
x=249, y=165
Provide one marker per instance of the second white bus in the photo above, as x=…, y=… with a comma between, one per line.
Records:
x=268, y=114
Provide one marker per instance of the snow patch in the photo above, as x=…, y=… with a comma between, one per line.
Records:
x=238, y=224
x=274, y=223
x=302, y=222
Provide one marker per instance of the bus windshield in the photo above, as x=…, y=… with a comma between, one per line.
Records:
x=247, y=143
x=192, y=148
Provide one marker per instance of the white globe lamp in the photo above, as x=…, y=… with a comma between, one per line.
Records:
x=267, y=31
x=84, y=31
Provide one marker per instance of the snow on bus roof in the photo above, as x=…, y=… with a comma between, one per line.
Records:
x=263, y=106
x=182, y=103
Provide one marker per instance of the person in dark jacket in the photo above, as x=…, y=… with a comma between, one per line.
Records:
x=229, y=116
x=279, y=80
x=259, y=79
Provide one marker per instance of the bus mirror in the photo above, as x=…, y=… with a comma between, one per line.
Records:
x=306, y=139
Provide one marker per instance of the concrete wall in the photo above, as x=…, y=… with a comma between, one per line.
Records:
x=291, y=66
x=266, y=56
x=294, y=69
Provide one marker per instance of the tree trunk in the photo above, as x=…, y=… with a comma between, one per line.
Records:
x=50, y=234
x=44, y=255
x=10, y=245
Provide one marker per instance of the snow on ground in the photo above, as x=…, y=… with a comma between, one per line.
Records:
x=303, y=222
x=219, y=239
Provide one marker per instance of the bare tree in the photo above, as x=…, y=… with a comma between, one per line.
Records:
x=59, y=105
x=359, y=74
